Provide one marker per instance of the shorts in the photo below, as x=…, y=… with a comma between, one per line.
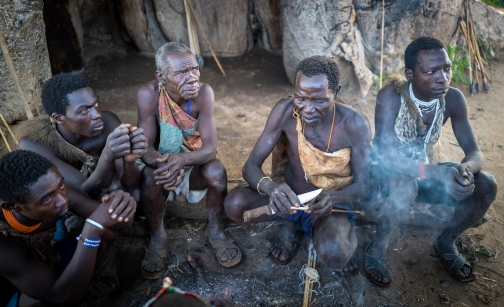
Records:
x=193, y=196
x=308, y=220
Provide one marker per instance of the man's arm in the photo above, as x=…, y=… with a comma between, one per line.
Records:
x=146, y=107
x=281, y=195
x=39, y=281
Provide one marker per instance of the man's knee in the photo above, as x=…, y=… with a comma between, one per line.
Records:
x=148, y=187
x=403, y=187
x=215, y=174
x=485, y=186
x=235, y=204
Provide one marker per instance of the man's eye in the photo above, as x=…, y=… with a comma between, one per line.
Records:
x=85, y=110
x=47, y=199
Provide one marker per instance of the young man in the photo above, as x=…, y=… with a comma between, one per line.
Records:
x=176, y=113
x=327, y=148
x=89, y=147
x=34, y=199
x=409, y=117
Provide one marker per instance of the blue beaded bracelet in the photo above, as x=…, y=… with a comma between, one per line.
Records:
x=89, y=242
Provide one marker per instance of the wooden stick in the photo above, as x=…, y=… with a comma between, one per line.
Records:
x=363, y=213
x=5, y=140
x=12, y=69
x=204, y=36
x=382, y=35
x=8, y=128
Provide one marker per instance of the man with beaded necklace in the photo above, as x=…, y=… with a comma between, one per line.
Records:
x=409, y=117
x=48, y=266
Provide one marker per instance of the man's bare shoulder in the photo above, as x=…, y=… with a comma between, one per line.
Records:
x=148, y=94
x=354, y=120
x=12, y=255
x=41, y=149
x=388, y=95
x=282, y=111
x=206, y=94
x=454, y=97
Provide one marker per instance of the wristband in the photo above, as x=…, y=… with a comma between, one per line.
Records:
x=421, y=170
x=94, y=223
x=89, y=242
x=260, y=183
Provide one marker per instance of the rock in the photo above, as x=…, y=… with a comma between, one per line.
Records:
x=138, y=17
x=225, y=24
x=326, y=28
x=100, y=21
x=404, y=22
x=23, y=27
x=489, y=24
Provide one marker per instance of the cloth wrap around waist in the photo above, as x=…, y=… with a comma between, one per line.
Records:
x=327, y=171
x=40, y=244
x=412, y=132
x=41, y=131
x=178, y=130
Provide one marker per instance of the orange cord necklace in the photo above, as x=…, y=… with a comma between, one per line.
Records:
x=14, y=223
x=332, y=127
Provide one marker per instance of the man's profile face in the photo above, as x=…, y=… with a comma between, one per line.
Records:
x=182, y=78
x=83, y=113
x=48, y=197
x=313, y=98
x=432, y=75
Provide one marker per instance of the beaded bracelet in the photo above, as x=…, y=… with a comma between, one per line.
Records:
x=421, y=170
x=89, y=242
x=260, y=183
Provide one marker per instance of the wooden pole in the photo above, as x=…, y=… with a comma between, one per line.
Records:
x=5, y=140
x=204, y=36
x=8, y=128
x=12, y=69
x=382, y=35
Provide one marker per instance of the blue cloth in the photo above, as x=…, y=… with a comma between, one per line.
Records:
x=188, y=107
x=14, y=301
x=307, y=220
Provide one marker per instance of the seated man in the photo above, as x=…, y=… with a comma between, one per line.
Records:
x=88, y=146
x=409, y=117
x=35, y=200
x=176, y=113
x=327, y=148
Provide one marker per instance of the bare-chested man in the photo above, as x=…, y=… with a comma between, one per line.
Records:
x=176, y=113
x=409, y=116
x=328, y=148
x=90, y=148
x=48, y=266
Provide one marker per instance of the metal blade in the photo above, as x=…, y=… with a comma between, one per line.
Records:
x=306, y=197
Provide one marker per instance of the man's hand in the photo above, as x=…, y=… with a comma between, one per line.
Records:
x=116, y=207
x=169, y=173
x=138, y=143
x=459, y=181
x=118, y=142
x=282, y=199
x=321, y=205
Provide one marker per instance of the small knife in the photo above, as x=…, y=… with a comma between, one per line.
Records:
x=306, y=197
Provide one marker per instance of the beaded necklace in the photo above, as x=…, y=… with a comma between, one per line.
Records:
x=14, y=223
x=423, y=107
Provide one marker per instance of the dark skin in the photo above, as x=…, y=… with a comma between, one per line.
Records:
x=49, y=199
x=315, y=102
x=430, y=79
x=164, y=172
x=96, y=133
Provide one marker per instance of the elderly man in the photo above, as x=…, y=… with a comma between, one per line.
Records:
x=409, y=117
x=91, y=148
x=327, y=148
x=176, y=113
x=48, y=266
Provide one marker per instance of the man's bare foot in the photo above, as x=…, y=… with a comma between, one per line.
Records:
x=352, y=266
x=375, y=262
x=285, y=245
x=453, y=260
x=153, y=264
x=227, y=253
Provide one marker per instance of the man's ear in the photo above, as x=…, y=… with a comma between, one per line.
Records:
x=10, y=206
x=409, y=74
x=160, y=76
x=58, y=118
x=338, y=89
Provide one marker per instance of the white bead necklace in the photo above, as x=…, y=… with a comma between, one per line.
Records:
x=423, y=107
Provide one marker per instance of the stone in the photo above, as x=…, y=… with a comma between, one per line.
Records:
x=268, y=26
x=404, y=22
x=328, y=29
x=489, y=24
x=23, y=26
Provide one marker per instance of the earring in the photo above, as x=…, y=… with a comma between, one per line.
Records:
x=161, y=83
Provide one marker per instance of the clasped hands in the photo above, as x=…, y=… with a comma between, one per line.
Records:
x=170, y=171
x=116, y=207
x=126, y=142
x=458, y=179
x=282, y=198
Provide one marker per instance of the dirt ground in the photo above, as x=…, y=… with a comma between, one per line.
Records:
x=243, y=101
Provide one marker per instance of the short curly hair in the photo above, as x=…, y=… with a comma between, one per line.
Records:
x=414, y=48
x=20, y=169
x=317, y=65
x=56, y=89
